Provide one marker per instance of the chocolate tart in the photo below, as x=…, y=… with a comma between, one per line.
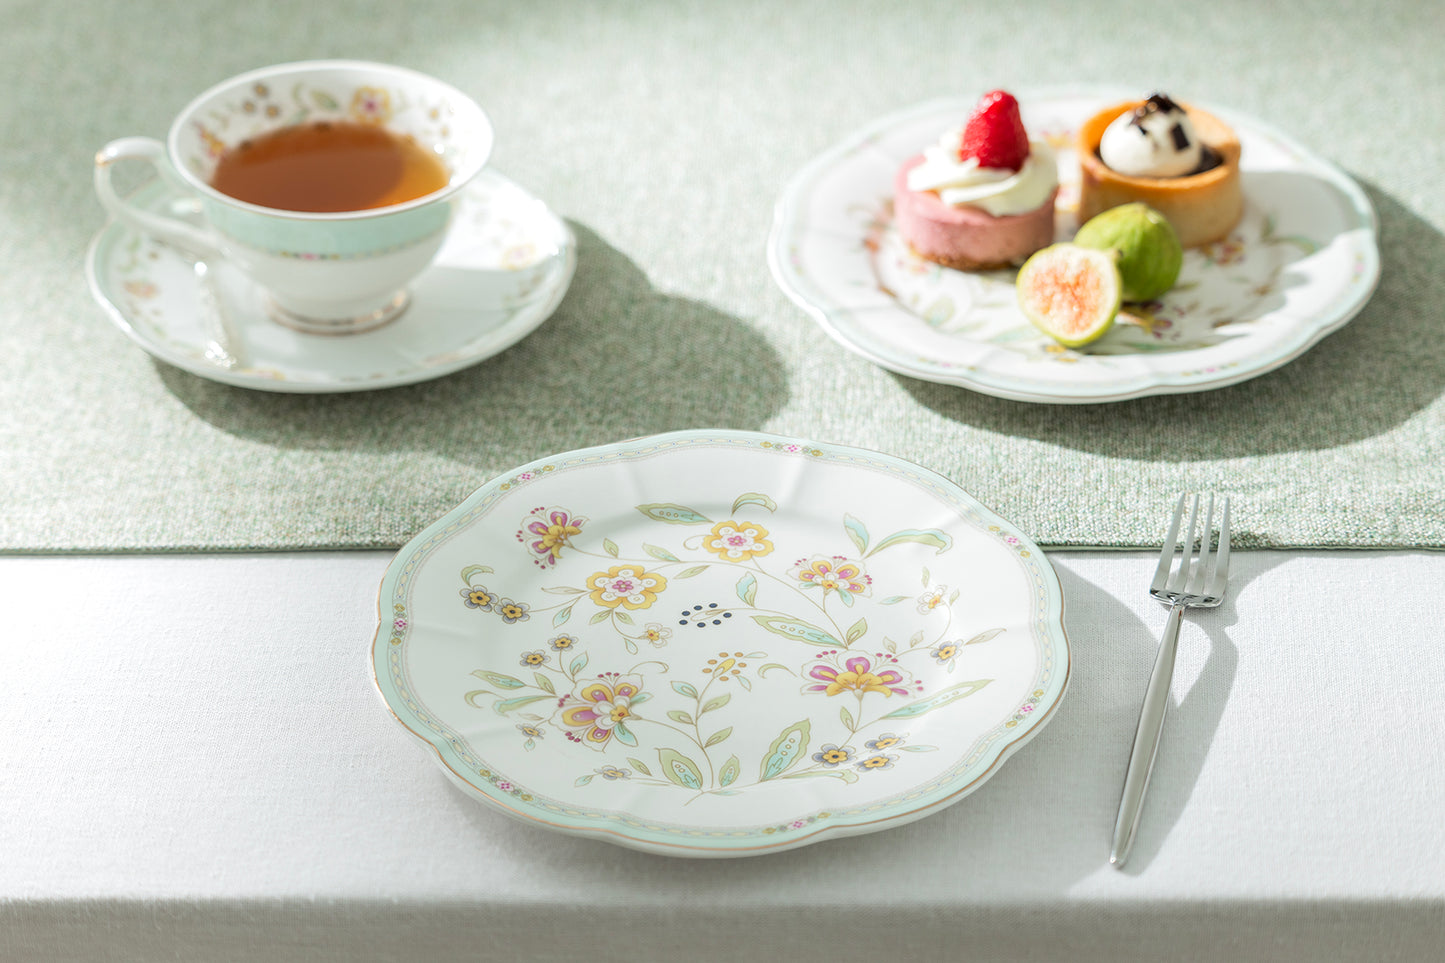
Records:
x=1203, y=207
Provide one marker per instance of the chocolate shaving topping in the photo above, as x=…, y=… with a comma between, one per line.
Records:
x=1156, y=104
x=1181, y=139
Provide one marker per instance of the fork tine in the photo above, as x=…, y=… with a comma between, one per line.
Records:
x=1202, y=571
x=1220, y=576
x=1166, y=554
x=1179, y=578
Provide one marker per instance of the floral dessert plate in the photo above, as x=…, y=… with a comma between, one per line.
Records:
x=1301, y=263
x=720, y=643
x=501, y=273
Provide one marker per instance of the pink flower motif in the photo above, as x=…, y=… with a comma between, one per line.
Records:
x=547, y=531
x=858, y=676
x=602, y=708
x=399, y=624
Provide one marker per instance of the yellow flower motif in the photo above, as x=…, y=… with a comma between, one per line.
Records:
x=738, y=541
x=371, y=105
x=630, y=586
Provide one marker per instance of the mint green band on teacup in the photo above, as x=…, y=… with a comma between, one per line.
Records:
x=328, y=239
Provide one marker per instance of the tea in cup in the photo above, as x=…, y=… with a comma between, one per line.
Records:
x=330, y=184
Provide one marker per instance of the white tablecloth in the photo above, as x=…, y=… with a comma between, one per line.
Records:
x=197, y=766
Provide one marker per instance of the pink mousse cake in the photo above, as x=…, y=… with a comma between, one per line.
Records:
x=967, y=238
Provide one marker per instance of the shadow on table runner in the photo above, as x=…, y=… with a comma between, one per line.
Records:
x=218, y=467
x=1340, y=448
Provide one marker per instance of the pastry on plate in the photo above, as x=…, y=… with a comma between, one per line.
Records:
x=983, y=196
x=1180, y=160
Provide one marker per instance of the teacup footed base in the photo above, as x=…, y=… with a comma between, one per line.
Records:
x=394, y=308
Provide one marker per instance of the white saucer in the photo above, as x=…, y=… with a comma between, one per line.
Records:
x=501, y=273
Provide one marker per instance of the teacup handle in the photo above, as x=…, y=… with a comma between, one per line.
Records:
x=192, y=240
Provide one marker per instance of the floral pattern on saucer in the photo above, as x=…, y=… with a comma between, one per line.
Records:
x=673, y=672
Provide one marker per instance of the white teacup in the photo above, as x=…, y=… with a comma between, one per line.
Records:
x=324, y=272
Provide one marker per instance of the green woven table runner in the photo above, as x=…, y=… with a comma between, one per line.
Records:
x=664, y=134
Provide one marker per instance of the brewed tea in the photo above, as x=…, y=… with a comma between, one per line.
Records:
x=329, y=166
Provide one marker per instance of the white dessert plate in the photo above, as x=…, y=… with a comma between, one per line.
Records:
x=1301, y=263
x=501, y=273
x=720, y=643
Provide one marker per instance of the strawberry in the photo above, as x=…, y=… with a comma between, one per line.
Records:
x=995, y=133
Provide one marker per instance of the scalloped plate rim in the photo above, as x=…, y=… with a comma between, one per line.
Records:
x=1052, y=598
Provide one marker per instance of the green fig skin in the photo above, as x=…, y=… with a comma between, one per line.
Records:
x=1148, y=249
x=1070, y=292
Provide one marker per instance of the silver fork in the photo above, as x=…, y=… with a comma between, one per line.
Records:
x=1198, y=582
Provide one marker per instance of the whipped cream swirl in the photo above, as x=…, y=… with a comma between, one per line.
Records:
x=1156, y=139
x=997, y=190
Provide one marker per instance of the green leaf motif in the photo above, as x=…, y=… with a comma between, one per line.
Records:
x=674, y=514
x=948, y=696
x=678, y=715
x=563, y=614
x=583, y=780
x=685, y=690
x=717, y=702
x=690, y=572
x=622, y=616
x=718, y=736
x=754, y=498
x=578, y=664
x=640, y=766
x=857, y=630
x=932, y=537
x=984, y=636
x=846, y=716
x=729, y=772
x=624, y=735
x=797, y=630
x=748, y=589
x=679, y=769
x=771, y=665
x=471, y=570
x=600, y=617
x=893, y=600
x=787, y=749
x=858, y=532
x=504, y=706
x=497, y=678
x=544, y=683
x=660, y=553
x=610, y=547
x=324, y=100
x=847, y=775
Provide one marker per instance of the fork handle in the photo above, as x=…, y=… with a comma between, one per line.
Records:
x=1146, y=739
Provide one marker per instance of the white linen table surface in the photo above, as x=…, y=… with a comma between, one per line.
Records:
x=197, y=766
